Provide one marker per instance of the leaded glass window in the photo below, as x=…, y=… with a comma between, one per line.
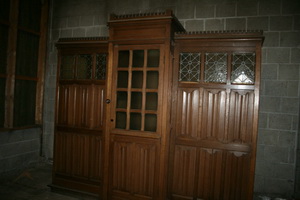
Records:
x=84, y=66
x=243, y=67
x=101, y=66
x=215, y=67
x=189, y=67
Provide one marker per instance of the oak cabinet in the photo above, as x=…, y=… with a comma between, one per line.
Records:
x=170, y=115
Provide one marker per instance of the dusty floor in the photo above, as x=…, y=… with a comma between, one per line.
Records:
x=32, y=184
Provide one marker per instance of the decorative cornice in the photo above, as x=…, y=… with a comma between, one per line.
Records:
x=83, y=39
x=114, y=17
x=220, y=33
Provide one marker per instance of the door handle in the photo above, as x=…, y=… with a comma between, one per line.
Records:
x=107, y=101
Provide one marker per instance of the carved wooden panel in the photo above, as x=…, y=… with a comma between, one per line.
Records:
x=81, y=106
x=78, y=155
x=241, y=116
x=201, y=173
x=134, y=166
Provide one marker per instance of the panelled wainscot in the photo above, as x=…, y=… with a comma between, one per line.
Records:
x=154, y=112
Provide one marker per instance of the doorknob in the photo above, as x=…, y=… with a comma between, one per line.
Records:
x=107, y=101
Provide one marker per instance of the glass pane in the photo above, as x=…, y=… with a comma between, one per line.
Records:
x=84, y=66
x=150, y=122
x=4, y=9
x=137, y=79
x=27, y=54
x=3, y=48
x=153, y=58
x=122, y=100
x=122, y=79
x=216, y=67
x=67, y=67
x=30, y=14
x=138, y=58
x=152, y=80
x=243, y=68
x=100, y=66
x=135, y=121
x=136, y=100
x=151, y=101
x=121, y=120
x=24, y=103
x=123, y=59
x=2, y=101
x=189, y=67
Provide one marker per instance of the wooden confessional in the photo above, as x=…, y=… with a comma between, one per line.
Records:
x=154, y=112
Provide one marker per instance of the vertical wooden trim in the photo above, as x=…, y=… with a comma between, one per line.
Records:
x=11, y=64
x=41, y=63
x=108, y=123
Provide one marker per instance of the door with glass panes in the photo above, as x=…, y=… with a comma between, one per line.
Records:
x=135, y=121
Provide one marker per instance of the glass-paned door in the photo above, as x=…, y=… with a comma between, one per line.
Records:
x=136, y=96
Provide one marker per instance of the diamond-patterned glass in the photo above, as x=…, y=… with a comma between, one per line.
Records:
x=189, y=67
x=243, y=67
x=215, y=67
x=101, y=66
x=84, y=66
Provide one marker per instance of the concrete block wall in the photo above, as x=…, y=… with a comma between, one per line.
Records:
x=279, y=107
x=18, y=150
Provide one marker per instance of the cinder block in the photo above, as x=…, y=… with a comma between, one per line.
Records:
x=274, y=154
x=279, y=186
x=73, y=21
x=269, y=137
x=104, y=31
x=258, y=23
x=265, y=169
x=280, y=121
x=236, y=24
x=287, y=139
x=288, y=72
x=59, y=22
x=281, y=23
x=205, y=11
x=93, y=31
x=259, y=183
x=295, y=57
x=247, y=8
x=278, y=55
x=260, y=153
x=79, y=32
x=292, y=88
x=276, y=88
x=269, y=7
x=264, y=55
x=65, y=33
x=271, y=39
x=86, y=20
x=270, y=104
x=291, y=7
x=263, y=120
x=290, y=105
x=297, y=22
x=226, y=10
x=269, y=71
x=194, y=25
x=214, y=24
x=100, y=20
x=295, y=124
x=185, y=9
x=290, y=39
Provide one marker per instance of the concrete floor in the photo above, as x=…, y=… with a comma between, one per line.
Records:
x=32, y=184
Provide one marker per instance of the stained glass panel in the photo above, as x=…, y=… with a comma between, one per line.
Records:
x=122, y=79
x=150, y=122
x=189, y=67
x=138, y=58
x=243, y=67
x=100, y=66
x=153, y=58
x=121, y=120
x=135, y=121
x=123, y=59
x=215, y=67
x=67, y=67
x=84, y=66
